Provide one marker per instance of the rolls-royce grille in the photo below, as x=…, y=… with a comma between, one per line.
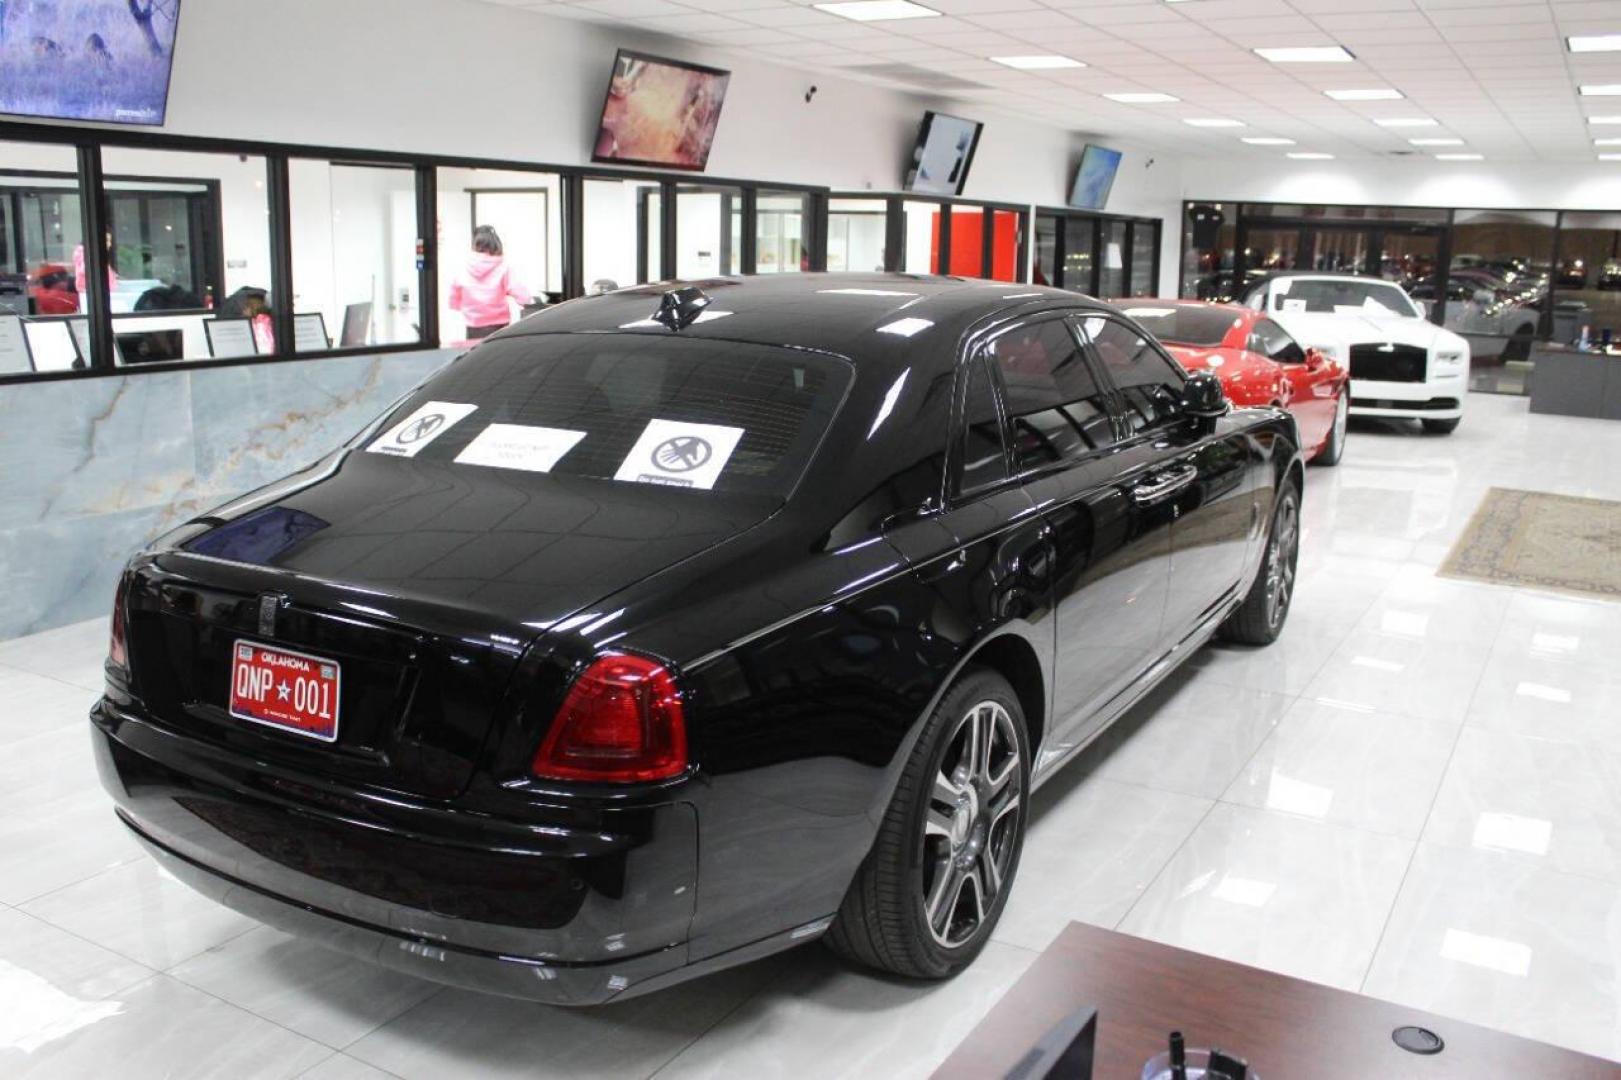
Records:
x=1388, y=363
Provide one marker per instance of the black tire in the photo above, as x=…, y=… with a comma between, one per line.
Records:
x=1441, y=427
x=1260, y=618
x=1334, y=448
x=883, y=921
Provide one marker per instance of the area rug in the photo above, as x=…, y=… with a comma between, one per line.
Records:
x=1545, y=541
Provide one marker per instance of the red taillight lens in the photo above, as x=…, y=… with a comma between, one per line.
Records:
x=117, y=649
x=621, y=721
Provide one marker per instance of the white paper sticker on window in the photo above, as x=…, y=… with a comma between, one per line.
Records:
x=515, y=446
x=409, y=436
x=1290, y=304
x=680, y=454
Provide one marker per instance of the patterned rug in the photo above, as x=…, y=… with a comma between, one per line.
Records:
x=1545, y=541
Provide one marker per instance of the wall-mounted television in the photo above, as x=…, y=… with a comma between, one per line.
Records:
x=660, y=112
x=945, y=149
x=1094, y=178
x=102, y=60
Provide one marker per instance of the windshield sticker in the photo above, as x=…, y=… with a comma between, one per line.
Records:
x=516, y=446
x=680, y=454
x=409, y=436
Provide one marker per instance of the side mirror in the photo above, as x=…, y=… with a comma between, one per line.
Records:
x=1202, y=396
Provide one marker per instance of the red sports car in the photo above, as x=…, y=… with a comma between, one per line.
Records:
x=1258, y=363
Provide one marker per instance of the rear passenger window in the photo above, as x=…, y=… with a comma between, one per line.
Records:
x=1055, y=408
x=1149, y=384
x=984, y=459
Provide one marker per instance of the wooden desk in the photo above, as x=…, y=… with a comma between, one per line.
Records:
x=1287, y=1029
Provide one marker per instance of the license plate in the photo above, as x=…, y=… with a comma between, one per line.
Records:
x=284, y=689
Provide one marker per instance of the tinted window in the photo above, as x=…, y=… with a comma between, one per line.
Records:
x=1185, y=325
x=763, y=410
x=1271, y=340
x=1054, y=405
x=1149, y=383
x=984, y=461
x=1340, y=294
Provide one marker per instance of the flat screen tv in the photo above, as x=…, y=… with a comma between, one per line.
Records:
x=1094, y=178
x=945, y=149
x=102, y=60
x=660, y=112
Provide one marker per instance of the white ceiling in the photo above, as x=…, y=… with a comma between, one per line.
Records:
x=1494, y=73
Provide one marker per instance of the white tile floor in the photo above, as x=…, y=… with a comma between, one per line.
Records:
x=1417, y=793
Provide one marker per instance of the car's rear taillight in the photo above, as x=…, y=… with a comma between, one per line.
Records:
x=117, y=648
x=621, y=722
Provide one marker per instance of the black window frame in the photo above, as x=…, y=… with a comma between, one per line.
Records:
x=1127, y=433
x=1067, y=221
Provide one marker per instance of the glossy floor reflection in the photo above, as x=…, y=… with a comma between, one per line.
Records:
x=1416, y=793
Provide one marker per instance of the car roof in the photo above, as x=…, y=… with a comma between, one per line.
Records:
x=837, y=313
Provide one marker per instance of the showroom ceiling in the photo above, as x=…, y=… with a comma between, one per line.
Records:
x=1495, y=74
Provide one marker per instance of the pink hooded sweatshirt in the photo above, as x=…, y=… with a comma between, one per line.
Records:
x=480, y=292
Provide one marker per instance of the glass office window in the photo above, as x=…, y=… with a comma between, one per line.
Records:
x=1498, y=287
x=781, y=232
x=1080, y=265
x=621, y=234
x=708, y=231
x=1208, y=238
x=42, y=300
x=500, y=247
x=855, y=234
x=1007, y=233
x=1144, y=249
x=1112, y=272
x=190, y=245
x=922, y=236
x=354, y=237
x=967, y=257
x=1046, y=269
x=1588, y=280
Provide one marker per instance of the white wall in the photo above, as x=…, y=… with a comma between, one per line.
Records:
x=1484, y=184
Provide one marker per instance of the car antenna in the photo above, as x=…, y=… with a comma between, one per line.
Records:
x=680, y=308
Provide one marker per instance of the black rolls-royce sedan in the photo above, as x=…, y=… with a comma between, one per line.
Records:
x=668, y=629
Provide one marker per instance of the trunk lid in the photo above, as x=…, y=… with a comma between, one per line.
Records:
x=423, y=581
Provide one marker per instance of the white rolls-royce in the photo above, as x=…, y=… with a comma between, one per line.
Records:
x=1401, y=364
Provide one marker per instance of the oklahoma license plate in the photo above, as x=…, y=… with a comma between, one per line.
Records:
x=289, y=690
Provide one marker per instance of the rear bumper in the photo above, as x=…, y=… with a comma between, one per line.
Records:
x=565, y=906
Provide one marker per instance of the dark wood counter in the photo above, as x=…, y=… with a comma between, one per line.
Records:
x=1287, y=1028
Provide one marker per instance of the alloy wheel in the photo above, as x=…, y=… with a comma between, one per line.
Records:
x=970, y=829
x=1342, y=415
x=1281, y=556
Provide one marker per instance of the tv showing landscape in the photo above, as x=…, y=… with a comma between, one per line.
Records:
x=1094, y=178
x=104, y=60
x=660, y=112
x=944, y=151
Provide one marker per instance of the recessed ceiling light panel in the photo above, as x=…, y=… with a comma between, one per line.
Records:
x=878, y=10
x=1142, y=99
x=1460, y=157
x=1311, y=54
x=1604, y=119
x=1436, y=142
x=1594, y=43
x=1607, y=142
x=1371, y=94
x=1039, y=62
x=1406, y=122
x=1268, y=140
x=1310, y=155
x=1601, y=90
x=1609, y=157
x=1213, y=122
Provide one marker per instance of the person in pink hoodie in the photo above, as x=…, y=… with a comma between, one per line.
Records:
x=481, y=291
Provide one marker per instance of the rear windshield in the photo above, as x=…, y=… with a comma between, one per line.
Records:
x=678, y=412
x=1185, y=325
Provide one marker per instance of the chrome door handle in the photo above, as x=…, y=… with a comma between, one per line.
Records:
x=1164, y=483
